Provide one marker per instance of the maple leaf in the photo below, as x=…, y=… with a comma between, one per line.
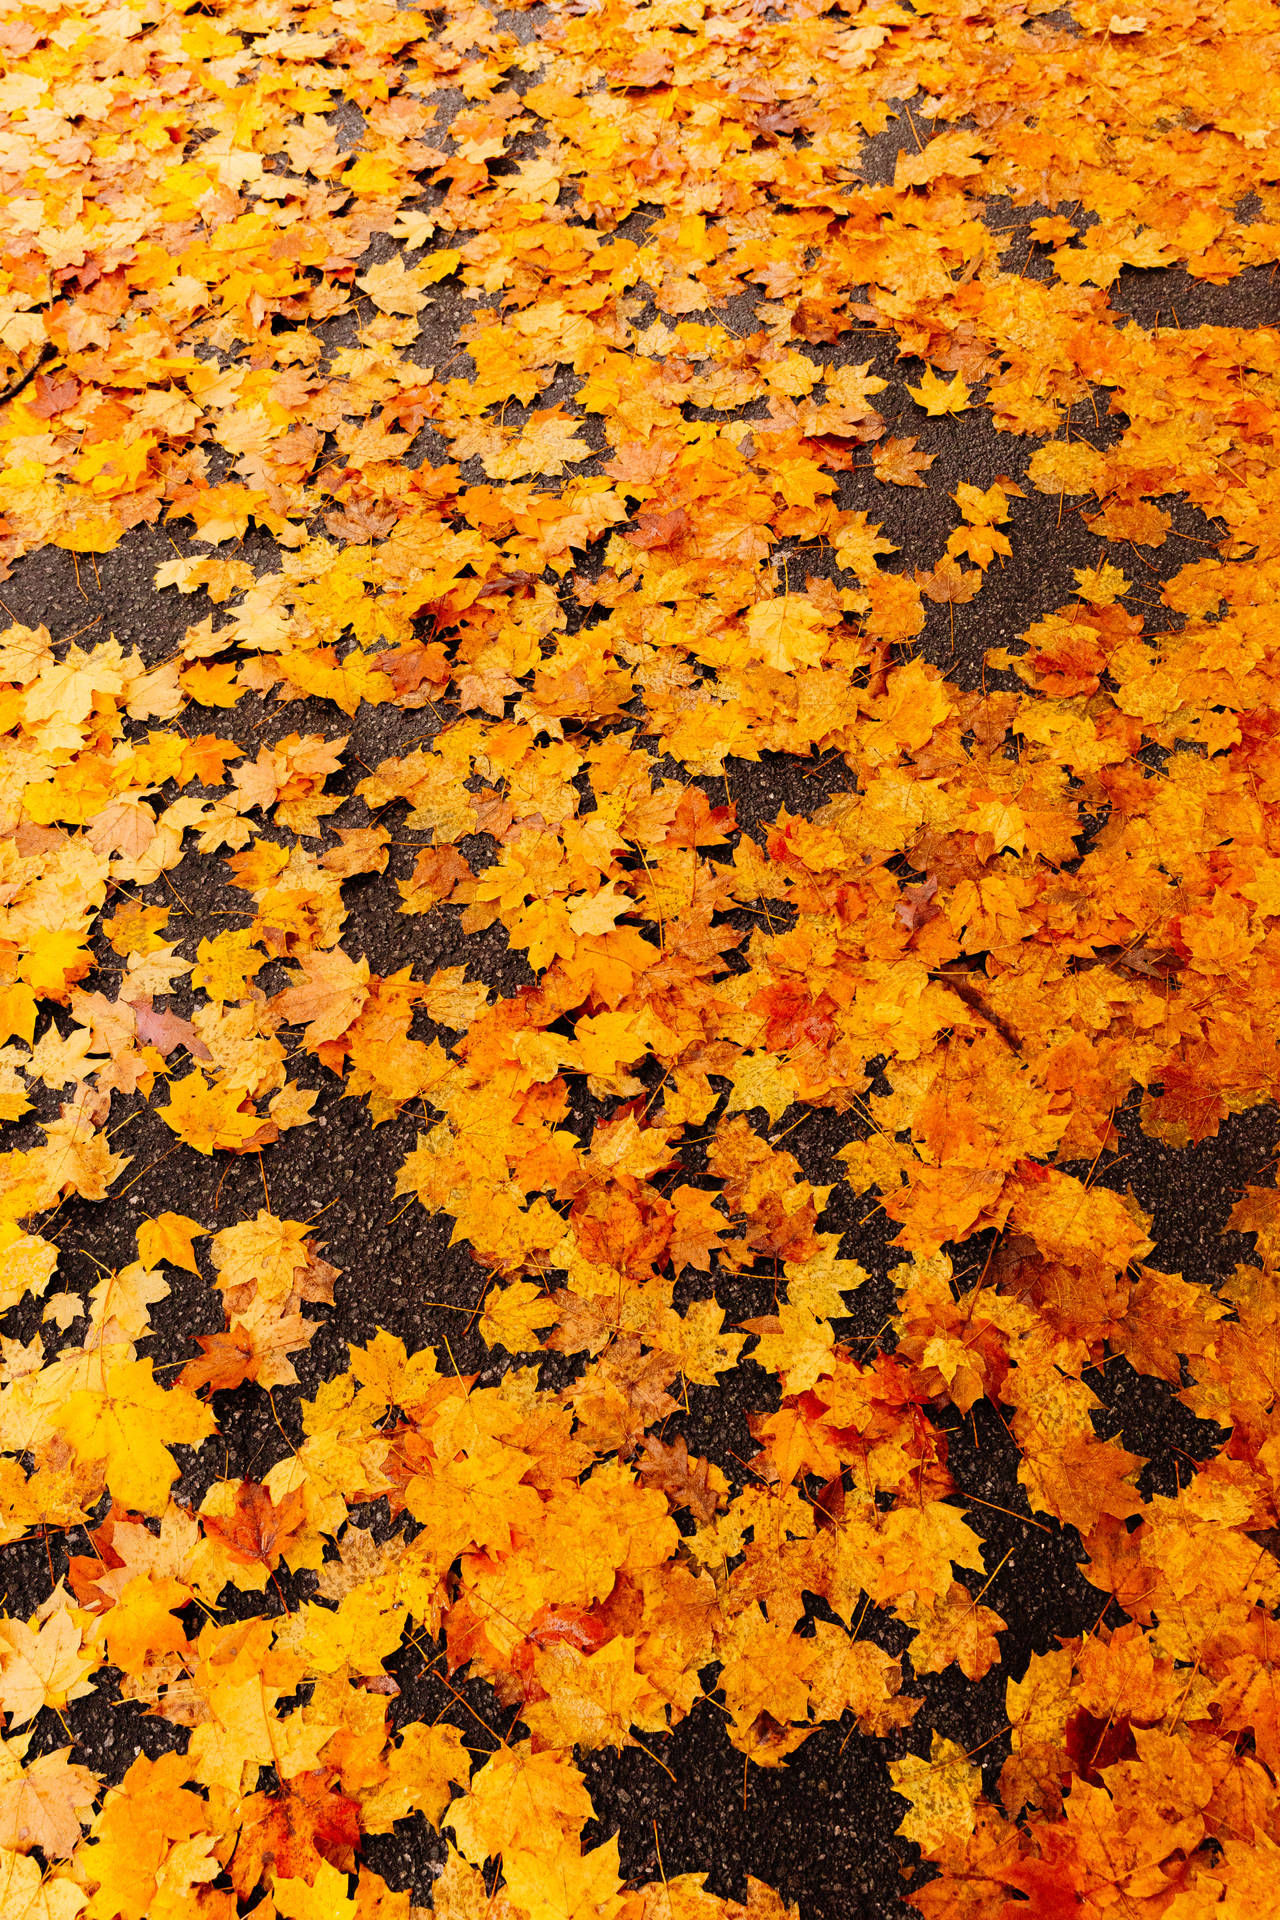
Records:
x=42, y=1804
x=937, y=397
x=516, y=1317
x=359, y=850
x=856, y=1675
x=957, y=1630
x=898, y=462
x=393, y=288
x=293, y=1833
x=420, y=1771
x=77, y=1157
x=788, y=633
x=54, y=394
x=685, y=1485
x=142, y=1624
x=362, y=520
x=324, y=1896
x=949, y=583
x=948, y=153
x=547, y=445
x=1065, y=466
x=210, y=1115
x=257, y=1530
x=28, y=1895
x=697, y=1229
x=42, y=1665
x=167, y=1031
x=1101, y=585
x=169, y=1237
x=128, y=1424
x=564, y=1886
x=943, y=1792
x=144, y=1822
x=331, y=990
x=248, y=1353
x=152, y=972
x=760, y=1080
x=520, y=1801
x=858, y=545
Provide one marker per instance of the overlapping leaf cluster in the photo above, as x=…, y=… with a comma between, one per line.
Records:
x=1031, y=904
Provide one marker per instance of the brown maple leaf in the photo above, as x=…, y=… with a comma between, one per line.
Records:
x=259, y=1530
x=243, y=1353
x=949, y=583
x=897, y=461
x=166, y=1031
x=685, y=1483
x=287, y=1835
x=770, y=122
x=916, y=905
x=54, y=393
x=362, y=520
x=655, y=529
x=649, y=68
x=412, y=670
x=819, y=318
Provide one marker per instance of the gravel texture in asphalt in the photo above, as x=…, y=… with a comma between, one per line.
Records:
x=822, y=1828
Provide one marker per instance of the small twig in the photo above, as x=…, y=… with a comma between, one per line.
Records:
x=1026, y=1520
x=47, y=352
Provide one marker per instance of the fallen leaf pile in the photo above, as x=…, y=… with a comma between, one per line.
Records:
x=628, y=534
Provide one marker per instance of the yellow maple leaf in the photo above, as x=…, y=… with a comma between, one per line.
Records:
x=42, y=1804
x=43, y=1666
x=520, y=1800
x=169, y=1237
x=563, y=1885
x=393, y=287
x=129, y=1424
x=421, y=1769
x=787, y=633
x=937, y=397
x=25, y=1893
x=762, y=1080
x=206, y=1115
x=547, y=445
x=52, y=963
x=943, y=1793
